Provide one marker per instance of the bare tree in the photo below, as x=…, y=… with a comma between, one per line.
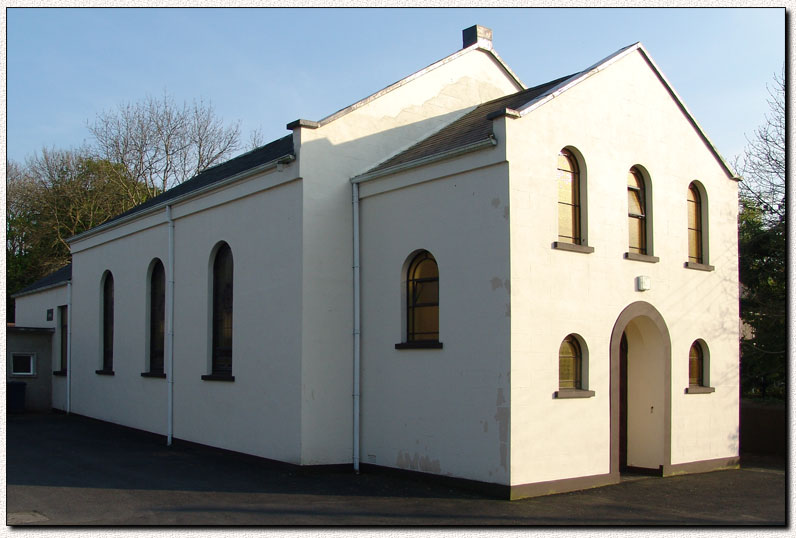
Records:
x=162, y=144
x=256, y=139
x=762, y=263
x=763, y=163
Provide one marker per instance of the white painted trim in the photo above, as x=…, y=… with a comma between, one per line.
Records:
x=563, y=86
x=475, y=46
x=43, y=288
x=481, y=144
x=287, y=158
x=560, y=88
x=30, y=354
x=733, y=175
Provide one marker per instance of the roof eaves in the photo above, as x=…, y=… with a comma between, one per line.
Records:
x=284, y=159
x=55, y=279
x=482, y=46
x=488, y=142
x=40, y=289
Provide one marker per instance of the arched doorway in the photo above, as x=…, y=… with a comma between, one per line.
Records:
x=640, y=390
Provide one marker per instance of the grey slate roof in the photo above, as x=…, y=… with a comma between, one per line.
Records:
x=241, y=163
x=61, y=276
x=474, y=126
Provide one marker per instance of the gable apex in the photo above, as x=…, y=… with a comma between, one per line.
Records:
x=481, y=41
x=606, y=62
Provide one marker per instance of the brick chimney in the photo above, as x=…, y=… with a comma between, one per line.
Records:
x=476, y=34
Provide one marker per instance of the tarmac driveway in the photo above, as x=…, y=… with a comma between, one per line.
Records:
x=71, y=470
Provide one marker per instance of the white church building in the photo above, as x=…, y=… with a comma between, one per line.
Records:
x=531, y=288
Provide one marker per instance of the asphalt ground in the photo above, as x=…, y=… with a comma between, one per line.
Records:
x=72, y=470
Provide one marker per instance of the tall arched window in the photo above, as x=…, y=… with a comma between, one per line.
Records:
x=107, y=323
x=636, y=212
x=696, y=366
x=695, y=236
x=569, y=227
x=422, y=299
x=157, y=317
x=222, y=312
x=570, y=364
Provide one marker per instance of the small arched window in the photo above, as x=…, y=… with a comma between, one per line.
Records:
x=570, y=364
x=636, y=212
x=222, y=312
x=569, y=214
x=157, y=317
x=107, y=323
x=695, y=236
x=696, y=366
x=422, y=299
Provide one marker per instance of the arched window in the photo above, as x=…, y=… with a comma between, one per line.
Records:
x=636, y=212
x=569, y=214
x=422, y=299
x=573, y=369
x=695, y=237
x=107, y=323
x=570, y=364
x=222, y=312
x=157, y=317
x=696, y=366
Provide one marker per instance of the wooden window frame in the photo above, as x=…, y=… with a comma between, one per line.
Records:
x=108, y=309
x=157, y=319
x=696, y=256
x=63, y=335
x=412, y=340
x=222, y=303
x=576, y=205
x=581, y=367
x=642, y=220
x=700, y=385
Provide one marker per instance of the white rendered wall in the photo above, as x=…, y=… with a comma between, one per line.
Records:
x=258, y=413
x=618, y=118
x=328, y=157
x=31, y=311
x=125, y=398
x=441, y=411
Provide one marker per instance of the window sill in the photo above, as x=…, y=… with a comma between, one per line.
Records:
x=59, y=373
x=22, y=375
x=422, y=344
x=218, y=377
x=698, y=266
x=696, y=389
x=104, y=372
x=572, y=247
x=572, y=393
x=641, y=257
x=153, y=374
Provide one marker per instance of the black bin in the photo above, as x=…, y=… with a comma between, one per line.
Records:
x=16, y=397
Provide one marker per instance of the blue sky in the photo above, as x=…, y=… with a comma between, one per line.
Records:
x=267, y=67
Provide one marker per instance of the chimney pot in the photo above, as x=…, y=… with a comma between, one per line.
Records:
x=476, y=34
